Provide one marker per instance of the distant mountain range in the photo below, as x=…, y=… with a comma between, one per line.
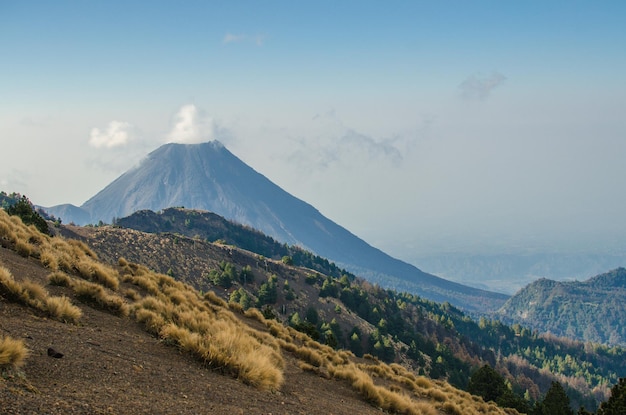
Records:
x=592, y=310
x=508, y=272
x=209, y=177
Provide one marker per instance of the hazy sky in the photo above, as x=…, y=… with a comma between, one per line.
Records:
x=418, y=125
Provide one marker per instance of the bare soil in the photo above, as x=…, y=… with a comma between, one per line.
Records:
x=110, y=365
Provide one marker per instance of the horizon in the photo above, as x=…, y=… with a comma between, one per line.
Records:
x=420, y=127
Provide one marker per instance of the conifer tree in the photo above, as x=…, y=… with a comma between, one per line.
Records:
x=616, y=405
x=555, y=402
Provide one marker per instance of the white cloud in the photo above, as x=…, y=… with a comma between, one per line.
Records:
x=480, y=87
x=191, y=126
x=232, y=38
x=327, y=143
x=257, y=39
x=116, y=134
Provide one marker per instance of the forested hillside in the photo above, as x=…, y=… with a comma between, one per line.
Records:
x=590, y=311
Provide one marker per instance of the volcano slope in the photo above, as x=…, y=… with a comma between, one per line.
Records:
x=134, y=341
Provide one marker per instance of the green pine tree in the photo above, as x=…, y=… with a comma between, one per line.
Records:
x=555, y=402
x=616, y=405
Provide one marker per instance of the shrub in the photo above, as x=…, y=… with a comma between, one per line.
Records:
x=311, y=279
x=13, y=352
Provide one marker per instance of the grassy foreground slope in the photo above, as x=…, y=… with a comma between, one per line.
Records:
x=143, y=342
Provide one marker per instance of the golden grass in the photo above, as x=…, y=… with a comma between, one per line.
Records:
x=8, y=286
x=13, y=353
x=81, y=249
x=453, y=409
x=93, y=271
x=34, y=295
x=309, y=355
x=214, y=299
x=255, y=314
x=152, y=321
x=62, y=309
x=235, y=307
x=437, y=395
x=379, y=396
x=6, y=231
x=131, y=294
x=93, y=293
x=23, y=248
x=205, y=328
x=146, y=283
x=60, y=279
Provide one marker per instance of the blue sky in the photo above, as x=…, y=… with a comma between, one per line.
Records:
x=418, y=125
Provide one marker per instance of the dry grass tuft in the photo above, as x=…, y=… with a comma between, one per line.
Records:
x=81, y=249
x=93, y=271
x=308, y=367
x=236, y=308
x=8, y=286
x=13, y=353
x=425, y=409
x=254, y=313
x=131, y=294
x=6, y=231
x=214, y=299
x=60, y=279
x=62, y=309
x=423, y=382
x=437, y=394
x=152, y=321
x=146, y=283
x=23, y=248
x=309, y=355
x=89, y=292
x=33, y=294
x=452, y=409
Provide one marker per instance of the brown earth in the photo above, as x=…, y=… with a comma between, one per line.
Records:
x=111, y=365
